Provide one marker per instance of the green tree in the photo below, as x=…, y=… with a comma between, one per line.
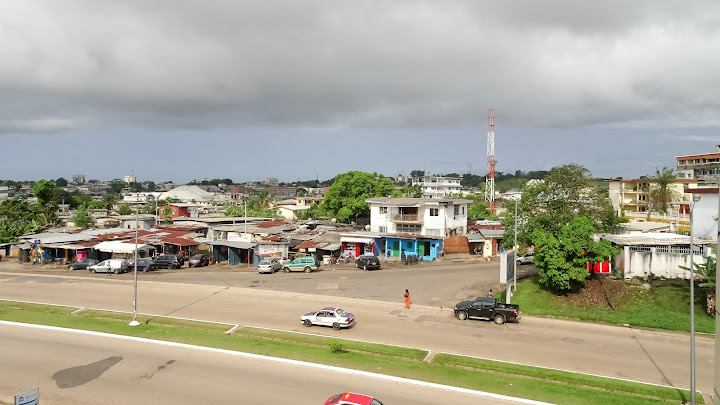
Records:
x=170, y=200
x=565, y=193
x=166, y=213
x=110, y=199
x=562, y=258
x=661, y=193
x=345, y=199
x=117, y=185
x=124, y=209
x=708, y=275
x=417, y=173
x=44, y=191
x=18, y=218
x=61, y=182
x=478, y=211
x=81, y=217
x=149, y=186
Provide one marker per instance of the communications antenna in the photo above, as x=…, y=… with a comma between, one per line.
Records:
x=490, y=175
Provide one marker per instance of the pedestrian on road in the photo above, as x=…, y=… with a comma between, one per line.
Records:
x=403, y=258
x=407, y=298
x=490, y=294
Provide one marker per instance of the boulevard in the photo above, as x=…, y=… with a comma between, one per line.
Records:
x=621, y=352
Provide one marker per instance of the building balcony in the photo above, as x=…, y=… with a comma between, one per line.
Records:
x=407, y=218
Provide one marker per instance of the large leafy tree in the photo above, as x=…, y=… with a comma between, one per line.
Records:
x=565, y=193
x=124, y=209
x=562, y=257
x=18, y=217
x=45, y=191
x=81, y=217
x=661, y=193
x=345, y=199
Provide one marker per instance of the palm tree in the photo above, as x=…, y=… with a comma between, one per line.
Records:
x=661, y=193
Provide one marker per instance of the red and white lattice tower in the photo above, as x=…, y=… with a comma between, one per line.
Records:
x=490, y=175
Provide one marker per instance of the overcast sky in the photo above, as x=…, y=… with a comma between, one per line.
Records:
x=181, y=90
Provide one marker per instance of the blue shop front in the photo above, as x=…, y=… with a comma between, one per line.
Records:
x=425, y=247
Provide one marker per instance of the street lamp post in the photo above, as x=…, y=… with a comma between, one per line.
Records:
x=134, y=321
x=696, y=198
x=515, y=245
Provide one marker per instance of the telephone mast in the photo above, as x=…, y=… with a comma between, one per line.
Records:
x=490, y=175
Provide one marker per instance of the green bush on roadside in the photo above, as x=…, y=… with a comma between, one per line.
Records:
x=336, y=346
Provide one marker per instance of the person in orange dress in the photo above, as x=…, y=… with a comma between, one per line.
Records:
x=407, y=298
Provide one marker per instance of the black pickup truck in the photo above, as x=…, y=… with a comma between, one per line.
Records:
x=487, y=307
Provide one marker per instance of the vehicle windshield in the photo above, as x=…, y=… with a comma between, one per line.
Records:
x=197, y=257
x=264, y=262
x=340, y=312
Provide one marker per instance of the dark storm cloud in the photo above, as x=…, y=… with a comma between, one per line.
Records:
x=232, y=64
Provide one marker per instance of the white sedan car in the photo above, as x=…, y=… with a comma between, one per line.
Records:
x=335, y=317
x=269, y=266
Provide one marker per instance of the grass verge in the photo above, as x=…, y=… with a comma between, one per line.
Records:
x=484, y=375
x=659, y=307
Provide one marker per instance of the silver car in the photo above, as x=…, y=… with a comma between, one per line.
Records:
x=527, y=258
x=269, y=266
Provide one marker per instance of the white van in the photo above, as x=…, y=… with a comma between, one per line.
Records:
x=116, y=266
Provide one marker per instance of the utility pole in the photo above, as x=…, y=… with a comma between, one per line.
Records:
x=716, y=386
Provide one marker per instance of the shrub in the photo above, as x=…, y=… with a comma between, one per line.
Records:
x=336, y=346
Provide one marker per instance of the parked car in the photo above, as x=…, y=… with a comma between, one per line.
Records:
x=527, y=258
x=330, y=316
x=368, y=263
x=199, y=260
x=306, y=264
x=269, y=265
x=168, y=262
x=116, y=266
x=82, y=264
x=487, y=307
x=349, y=398
x=143, y=265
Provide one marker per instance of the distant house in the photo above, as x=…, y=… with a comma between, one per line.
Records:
x=180, y=210
x=418, y=216
x=438, y=187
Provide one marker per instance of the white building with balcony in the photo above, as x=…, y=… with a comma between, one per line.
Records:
x=703, y=167
x=438, y=187
x=418, y=216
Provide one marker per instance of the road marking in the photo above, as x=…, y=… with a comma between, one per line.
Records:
x=286, y=361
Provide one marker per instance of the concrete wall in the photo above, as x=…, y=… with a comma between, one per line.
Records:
x=657, y=264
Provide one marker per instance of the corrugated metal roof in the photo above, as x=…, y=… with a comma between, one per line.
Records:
x=234, y=244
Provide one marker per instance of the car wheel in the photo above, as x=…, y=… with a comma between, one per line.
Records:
x=499, y=319
x=307, y=269
x=117, y=271
x=145, y=270
x=286, y=270
x=365, y=267
x=92, y=271
x=462, y=315
x=518, y=262
x=307, y=323
x=336, y=326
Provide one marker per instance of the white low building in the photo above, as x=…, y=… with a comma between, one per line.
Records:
x=419, y=216
x=438, y=187
x=656, y=255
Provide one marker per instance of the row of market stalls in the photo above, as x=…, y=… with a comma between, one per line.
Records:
x=72, y=244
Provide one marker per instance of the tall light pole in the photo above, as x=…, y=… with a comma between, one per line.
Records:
x=515, y=247
x=134, y=321
x=696, y=198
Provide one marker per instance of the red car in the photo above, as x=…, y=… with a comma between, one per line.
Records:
x=348, y=398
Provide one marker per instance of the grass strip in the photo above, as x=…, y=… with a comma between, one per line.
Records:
x=658, y=307
x=386, y=360
x=608, y=384
x=364, y=347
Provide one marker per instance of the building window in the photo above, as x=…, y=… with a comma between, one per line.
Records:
x=382, y=229
x=433, y=212
x=456, y=210
x=383, y=210
x=463, y=210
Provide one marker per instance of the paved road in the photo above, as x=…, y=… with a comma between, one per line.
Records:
x=77, y=369
x=651, y=356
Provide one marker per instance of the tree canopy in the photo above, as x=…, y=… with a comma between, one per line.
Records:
x=345, y=199
x=81, y=217
x=661, y=194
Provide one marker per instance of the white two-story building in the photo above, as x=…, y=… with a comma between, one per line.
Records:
x=419, y=216
x=438, y=187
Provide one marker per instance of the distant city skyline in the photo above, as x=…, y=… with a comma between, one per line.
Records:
x=299, y=90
